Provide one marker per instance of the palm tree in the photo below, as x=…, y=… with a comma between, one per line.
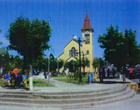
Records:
x=96, y=64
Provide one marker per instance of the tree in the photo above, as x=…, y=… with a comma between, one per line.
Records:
x=18, y=61
x=29, y=39
x=85, y=62
x=96, y=63
x=61, y=63
x=120, y=49
x=71, y=65
x=7, y=62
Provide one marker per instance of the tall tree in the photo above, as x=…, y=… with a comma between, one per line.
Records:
x=96, y=64
x=29, y=39
x=120, y=48
x=7, y=61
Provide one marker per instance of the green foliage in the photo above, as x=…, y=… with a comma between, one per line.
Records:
x=120, y=49
x=7, y=62
x=96, y=64
x=29, y=39
x=39, y=83
x=61, y=63
x=55, y=74
x=1, y=43
x=75, y=81
x=85, y=62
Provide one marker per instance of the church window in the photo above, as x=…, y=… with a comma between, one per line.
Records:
x=87, y=51
x=87, y=39
x=73, y=51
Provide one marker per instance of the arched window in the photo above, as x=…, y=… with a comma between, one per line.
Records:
x=73, y=51
x=87, y=51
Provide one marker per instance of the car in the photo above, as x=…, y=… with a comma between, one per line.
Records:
x=111, y=71
x=134, y=75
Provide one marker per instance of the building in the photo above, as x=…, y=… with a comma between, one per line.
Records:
x=70, y=50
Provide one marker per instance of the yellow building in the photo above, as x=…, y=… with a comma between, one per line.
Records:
x=87, y=47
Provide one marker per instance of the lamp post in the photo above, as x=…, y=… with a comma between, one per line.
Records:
x=57, y=65
x=48, y=68
x=100, y=62
x=80, y=76
x=84, y=60
x=79, y=41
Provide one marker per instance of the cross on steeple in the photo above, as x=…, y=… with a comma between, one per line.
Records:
x=87, y=24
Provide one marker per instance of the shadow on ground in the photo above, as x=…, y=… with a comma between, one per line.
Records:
x=13, y=88
x=110, y=80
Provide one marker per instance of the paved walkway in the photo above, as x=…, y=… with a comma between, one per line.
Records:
x=61, y=86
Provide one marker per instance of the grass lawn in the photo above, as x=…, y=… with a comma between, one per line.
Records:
x=36, y=82
x=59, y=76
x=75, y=81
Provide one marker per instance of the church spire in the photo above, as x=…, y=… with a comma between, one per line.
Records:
x=87, y=24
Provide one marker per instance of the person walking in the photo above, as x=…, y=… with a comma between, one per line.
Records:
x=101, y=74
x=130, y=70
x=45, y=74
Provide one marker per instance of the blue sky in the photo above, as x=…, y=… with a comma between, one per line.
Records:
x=67, y=18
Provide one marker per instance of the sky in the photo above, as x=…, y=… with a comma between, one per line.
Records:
x=67, y=18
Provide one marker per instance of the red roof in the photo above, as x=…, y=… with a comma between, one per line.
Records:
x=96, y=58
x=87, y=24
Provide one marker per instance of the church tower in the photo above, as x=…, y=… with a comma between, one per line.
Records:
x=87, y=33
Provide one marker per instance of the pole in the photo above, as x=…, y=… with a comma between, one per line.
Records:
x=83, y=64
x=58, y=67
x=80, y=76
x=48, y=68
x=30, y=79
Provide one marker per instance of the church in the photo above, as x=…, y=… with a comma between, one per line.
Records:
x=71, y=49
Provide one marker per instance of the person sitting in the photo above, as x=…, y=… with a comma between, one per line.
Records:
x=12, y=77
x=18, y=80
x=5, y=80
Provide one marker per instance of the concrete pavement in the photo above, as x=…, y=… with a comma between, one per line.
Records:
x=61, y=86
x=130, y=104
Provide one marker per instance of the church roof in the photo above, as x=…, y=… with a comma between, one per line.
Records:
x=74, y=41
x=87, y=24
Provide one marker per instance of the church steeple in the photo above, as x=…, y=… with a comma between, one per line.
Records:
x=87, y=24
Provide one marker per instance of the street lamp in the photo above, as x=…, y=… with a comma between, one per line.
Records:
x=57, y=66
x=83, y=61
x=79, y=41
x=48, y=64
